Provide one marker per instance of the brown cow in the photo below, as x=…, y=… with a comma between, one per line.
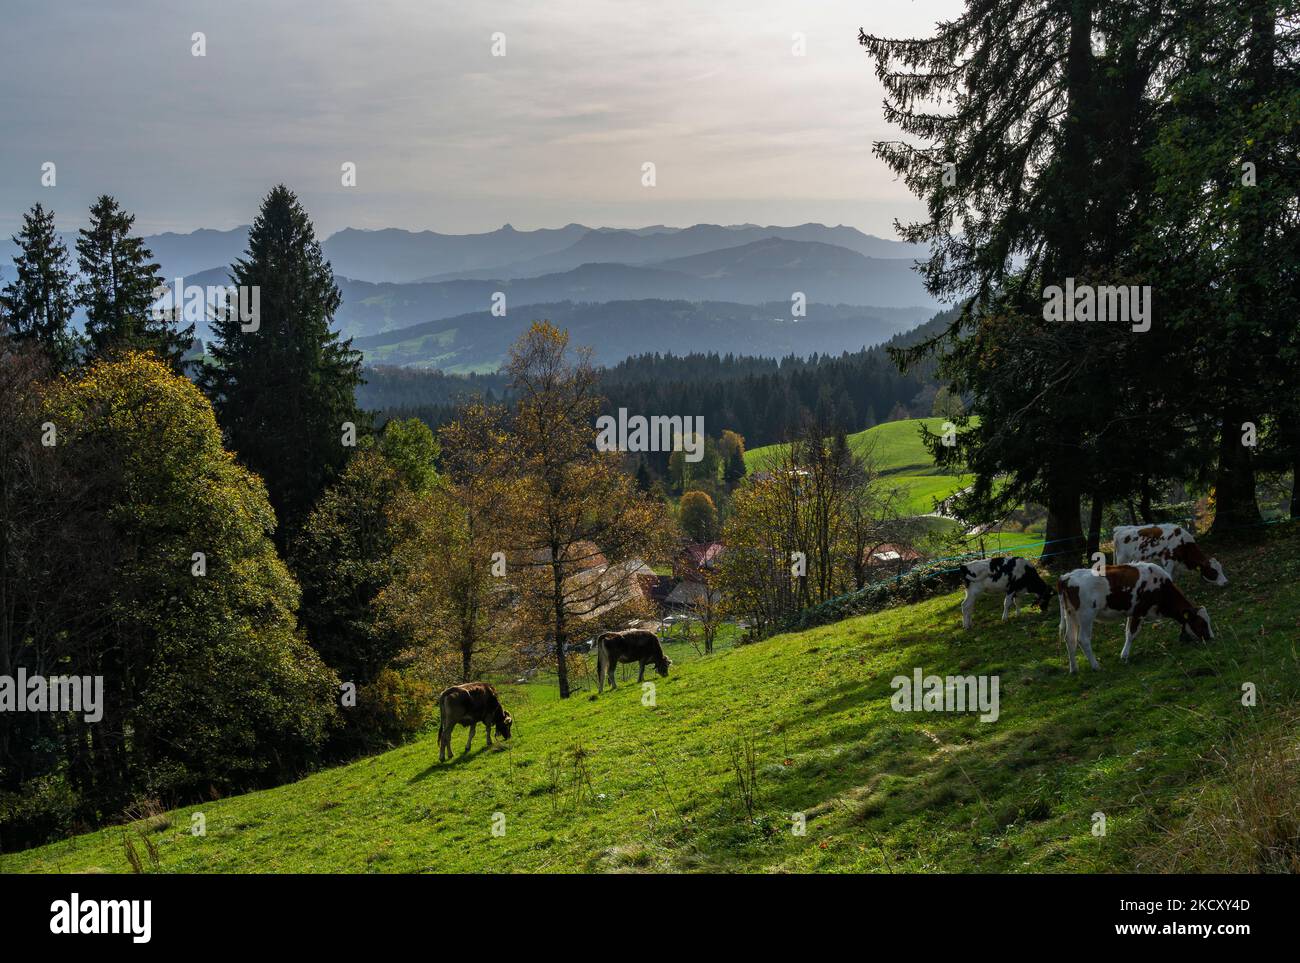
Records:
x=468, y=705
x=630, y=645
x=1129, y=592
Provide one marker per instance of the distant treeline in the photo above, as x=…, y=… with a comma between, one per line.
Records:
x=760, y=398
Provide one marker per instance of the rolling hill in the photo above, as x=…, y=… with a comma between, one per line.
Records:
x=1163, y=747
x=896, y=450
x=373, y=309
x=395, y=255
x=478, y=341
x=753, y=274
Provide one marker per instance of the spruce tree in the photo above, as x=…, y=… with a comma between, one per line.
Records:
x=119, y=286
x=1224, y=236
x=1011, y=104
x=38, y=303
x=283, y=383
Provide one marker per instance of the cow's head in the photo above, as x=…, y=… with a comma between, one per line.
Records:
x=662, y=662
x=1212, y=572
x=1041, y=589
x=1045, y=595
x=504, y=722
x=1196, y=625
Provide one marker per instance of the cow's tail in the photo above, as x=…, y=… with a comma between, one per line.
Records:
x=442, y=721
x=602, y=662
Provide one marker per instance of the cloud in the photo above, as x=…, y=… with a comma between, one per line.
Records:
x=445, y=135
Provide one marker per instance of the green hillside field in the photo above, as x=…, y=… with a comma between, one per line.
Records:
x=896, y=450
x=1187, y=777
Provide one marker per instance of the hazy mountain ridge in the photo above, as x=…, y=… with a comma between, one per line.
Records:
x=652, y=246
x=652, y=305
x=393, y=255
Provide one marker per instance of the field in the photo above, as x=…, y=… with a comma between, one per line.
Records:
x=895, y=449
x=609, y=783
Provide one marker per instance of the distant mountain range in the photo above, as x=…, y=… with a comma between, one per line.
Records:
x=655, y=245
x=398, y=256
x=394, y=279
x=757, y=273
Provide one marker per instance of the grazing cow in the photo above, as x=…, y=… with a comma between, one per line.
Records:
x=1172, y=547
x=1014, y=576
x=468, y=705
x=630, y=645
x=1130, y=592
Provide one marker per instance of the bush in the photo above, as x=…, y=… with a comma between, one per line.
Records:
x=390, y=710
x=922, y=582
x=43, y=809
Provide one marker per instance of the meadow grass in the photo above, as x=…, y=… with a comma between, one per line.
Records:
x=896, y=451
x=610, y=783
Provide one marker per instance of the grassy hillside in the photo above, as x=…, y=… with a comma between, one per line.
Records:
x=896, y=450
x=607, y=784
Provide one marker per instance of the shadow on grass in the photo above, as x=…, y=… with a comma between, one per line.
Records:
x=445, y=767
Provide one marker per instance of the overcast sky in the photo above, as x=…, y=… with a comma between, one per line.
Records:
x=445, y=135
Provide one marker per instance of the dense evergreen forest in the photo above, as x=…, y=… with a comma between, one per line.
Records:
x=759, y=398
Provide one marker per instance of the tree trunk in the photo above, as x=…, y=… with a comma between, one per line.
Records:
x=1094, y=524
x=561, y=662
x=1234, y=484
x=1295, y=483
x=1064, y=535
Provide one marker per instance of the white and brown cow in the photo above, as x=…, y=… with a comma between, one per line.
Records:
x=468, y=705
x=1013, y=576
x=630, y=645
x=1172, y=547
x=1129, y=592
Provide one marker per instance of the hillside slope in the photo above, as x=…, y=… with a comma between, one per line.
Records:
x=895, y=449
x=608, y=784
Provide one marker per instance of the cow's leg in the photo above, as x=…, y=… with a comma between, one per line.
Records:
x=444, y=744
x=1085, y=640
x=470, y=741
x=1006, y=605
x=1131, y=627
x=1071, y=639
x=487, y=731
x=613, y=672
x=640, y=676
x=967, y=607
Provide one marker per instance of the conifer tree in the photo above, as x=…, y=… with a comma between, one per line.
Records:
x=1011, y=104
x=283, y=383
x=38, y=303
x=119, y=288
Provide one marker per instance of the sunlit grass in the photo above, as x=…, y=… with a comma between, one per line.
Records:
x=613, y=783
